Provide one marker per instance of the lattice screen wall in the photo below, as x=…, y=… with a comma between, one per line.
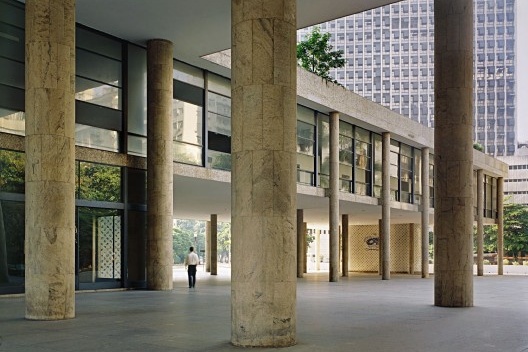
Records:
x=109, y=247
x=364, y=248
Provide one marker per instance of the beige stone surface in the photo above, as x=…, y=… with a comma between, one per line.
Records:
x=263, y=174
x=424, y=226
x=214, y=244
x=50, y=155
x=159, y=164
x=480, y=222
x=500, y=225
x=453, y=153
x=334, y=198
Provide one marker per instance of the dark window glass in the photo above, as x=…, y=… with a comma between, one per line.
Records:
x=12, y=258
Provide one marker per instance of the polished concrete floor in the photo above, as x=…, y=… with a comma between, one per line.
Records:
x=360, y=313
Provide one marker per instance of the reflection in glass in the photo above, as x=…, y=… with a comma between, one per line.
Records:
x=98, y=68
x=99, y=182
x=187, y=122
x=137, y=145
x=99, y=245
x=324, y=150
x=98, y=93
x=377, y=165
x=219, y=160
x=187, y=153
x=12, y=171
x=98, y=138
x=13, y=122
x=12, y=260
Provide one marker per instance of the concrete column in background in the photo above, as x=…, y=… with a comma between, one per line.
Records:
x=344, y=262
x=411, y=249
x=425, y=212
x=159, y=164
x=300, y=243
x=208, y=246
x=500, y=226
x=385, y=206
x=264, y=173
x=50, y=160
x=305, y=245
x=214, y=244
x=318, y=250
x=480, y=222
x=453, y=148
x=334, y=197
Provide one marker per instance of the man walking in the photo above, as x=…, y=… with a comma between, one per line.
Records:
x=191, y=261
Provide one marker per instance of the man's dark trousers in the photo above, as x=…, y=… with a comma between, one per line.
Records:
x=191, y=272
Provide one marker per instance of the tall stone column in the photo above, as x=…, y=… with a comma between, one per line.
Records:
x=425, y=212
x=263, y=177
x=385, y=206
x=500, y=225
x=305, y=244
x=480, y=222
x=453, y=273
x=208, y=246
x=300, y=243
x=411, y=249
x=334, y=197
x=344, y=262
x=50, y=160
x=214, y=244
x=318, y=250
x=159, y=164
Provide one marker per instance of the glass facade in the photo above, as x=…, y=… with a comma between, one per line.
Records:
x=389, y=53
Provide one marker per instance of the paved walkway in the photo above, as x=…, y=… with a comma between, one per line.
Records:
x=360, y=313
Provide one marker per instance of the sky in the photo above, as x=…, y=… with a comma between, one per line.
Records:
x=522, y=70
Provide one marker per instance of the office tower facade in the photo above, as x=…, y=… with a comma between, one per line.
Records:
x=389, y=54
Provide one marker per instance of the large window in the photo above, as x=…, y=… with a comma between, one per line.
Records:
x=187, y=114
x=12, y=119
x=406, y=174
x=363, y=162
x=219, y=122
x=305, y=146
x=394, y=170
x=378, y=150
x=98, y=90
x=97, y=182
x=417, y=184
x=12, y=171
x=346, y=157
x=323, y=152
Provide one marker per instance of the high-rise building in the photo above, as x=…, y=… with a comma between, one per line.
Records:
x=389, y=54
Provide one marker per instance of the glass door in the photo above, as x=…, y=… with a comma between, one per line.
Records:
x=99, y=254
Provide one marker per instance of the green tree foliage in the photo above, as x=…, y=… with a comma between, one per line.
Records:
x=315, y=54
x=224, y=242
x=515, y=231
x=183, y=237
x=99, y=182
x=12, y=165
x=478, y=147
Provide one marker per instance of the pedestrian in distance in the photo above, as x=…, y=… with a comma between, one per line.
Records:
x=191, y=262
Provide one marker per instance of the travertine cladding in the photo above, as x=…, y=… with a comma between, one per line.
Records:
x=263, y=175
x=453, y=150
x=208, y=246
x=480, y=222
x=385, y=207
x=424, y=208
x=500, y=225
x=334, y=198
x=50, y=156
x=159, y=165
x=214, y=244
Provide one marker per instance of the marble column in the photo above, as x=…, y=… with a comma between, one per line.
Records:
x=263, y=177
x=300, y=243
x=453, y=147
x=425, y=213
x=50, y=160
x=411, y=249
x=380, y=246
x=385, y=207
x=480, y=222
x=208, y=246
x=305, y=245
x=344, y=262
x=214, y=244
x=500, y=225
x=334, y=197
x=318, y=250
x=159, y=164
